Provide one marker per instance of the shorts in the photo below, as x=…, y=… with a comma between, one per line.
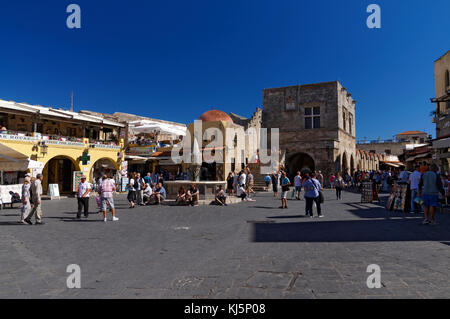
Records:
x=110, y=201
x=298, y=189
x=284, y=194
x=430, y=200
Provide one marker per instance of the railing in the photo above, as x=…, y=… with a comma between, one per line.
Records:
x=106, y=146
x=56, y=140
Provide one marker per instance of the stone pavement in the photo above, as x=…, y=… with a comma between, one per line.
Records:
x=247, y=250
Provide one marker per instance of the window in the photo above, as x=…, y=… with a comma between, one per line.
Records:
x=447, y=79
x=344, y=119
x=350, y=124
x=312, y=118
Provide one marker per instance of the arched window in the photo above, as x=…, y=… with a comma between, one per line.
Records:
x=447, y=79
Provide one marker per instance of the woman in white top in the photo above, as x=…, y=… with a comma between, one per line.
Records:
x=147, y=193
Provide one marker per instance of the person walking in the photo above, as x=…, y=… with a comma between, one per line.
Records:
x=132, y=190
x=274, y=178
x=312, y=187
x=298, y=185
x=139, y=186
x=414, y=181
x=84, y=188
x=107, y=188
x=430, y=186
x=285, y=183
x=26, y=205
x=320, y=177
x=36, y=193
x=250, y=183
x=339, y=185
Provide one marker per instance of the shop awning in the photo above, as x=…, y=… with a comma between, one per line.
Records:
x=136, y=159
x=417, y=157
x=444, y=143
x=12, y=160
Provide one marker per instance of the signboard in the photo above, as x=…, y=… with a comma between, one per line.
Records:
x=124, y=168
x=53, y=190
x=125, y=181
x=76, y=180
x=143, y=150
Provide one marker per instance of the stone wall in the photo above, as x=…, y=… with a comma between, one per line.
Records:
x=332, y=145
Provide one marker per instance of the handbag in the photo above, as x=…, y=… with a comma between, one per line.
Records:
x=321, y=197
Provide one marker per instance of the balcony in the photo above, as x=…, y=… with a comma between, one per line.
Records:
x=57, y=140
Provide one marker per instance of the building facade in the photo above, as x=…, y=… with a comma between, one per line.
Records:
x=316, y=123
x=57, y=143
x=441, y=145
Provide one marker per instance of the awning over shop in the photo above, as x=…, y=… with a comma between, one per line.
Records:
x=444, y=143
x=411, y=159
x=136, y=159
x=12, y=160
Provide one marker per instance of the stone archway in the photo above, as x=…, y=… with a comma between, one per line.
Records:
x=352, y=165
x=59, y=170
x=103, y=165
x=345, y=167
x=300, y=162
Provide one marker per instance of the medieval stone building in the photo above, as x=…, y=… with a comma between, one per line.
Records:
x=316, y=124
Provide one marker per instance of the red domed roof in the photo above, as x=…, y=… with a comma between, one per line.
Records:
x=214, y=116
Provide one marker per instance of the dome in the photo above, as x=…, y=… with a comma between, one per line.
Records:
x=215, y=116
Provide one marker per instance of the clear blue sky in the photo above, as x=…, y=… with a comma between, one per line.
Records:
x=176, y=59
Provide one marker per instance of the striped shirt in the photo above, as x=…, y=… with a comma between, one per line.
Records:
x=107, y=188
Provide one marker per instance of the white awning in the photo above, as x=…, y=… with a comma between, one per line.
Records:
x=12, y=160
x=444, y=143
x=147, y=126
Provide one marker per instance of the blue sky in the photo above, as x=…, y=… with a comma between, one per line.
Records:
x=174, y=60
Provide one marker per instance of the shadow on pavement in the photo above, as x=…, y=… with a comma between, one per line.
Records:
x=350, y=231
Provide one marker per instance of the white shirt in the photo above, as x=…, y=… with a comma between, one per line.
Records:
x=148, y=190
x=240, y=191
x=297, y=181
x=242, y=179
x=414, y=179
x=83, y=188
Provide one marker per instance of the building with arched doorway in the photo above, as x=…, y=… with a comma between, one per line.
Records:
x=61, y=142
x=316, y=123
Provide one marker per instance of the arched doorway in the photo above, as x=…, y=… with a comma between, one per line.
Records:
x=300, y=162
x=105, y=166
x=59, y=170
x=344, y=164
x=352, y=165
x=208, y=171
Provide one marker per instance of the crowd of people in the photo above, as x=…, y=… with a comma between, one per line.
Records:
x=427, y=186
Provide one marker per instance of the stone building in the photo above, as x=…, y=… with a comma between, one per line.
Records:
x=441, y=145
x=405, y=141
x=317, y=127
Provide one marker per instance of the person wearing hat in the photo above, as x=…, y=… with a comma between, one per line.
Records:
x=84, y=188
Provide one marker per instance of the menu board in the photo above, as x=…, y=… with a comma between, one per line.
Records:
x=53, y=190
x=401, y=198
x=76, y=179
x=366, y=192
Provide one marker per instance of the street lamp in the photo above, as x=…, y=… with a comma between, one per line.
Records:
x=43, y=147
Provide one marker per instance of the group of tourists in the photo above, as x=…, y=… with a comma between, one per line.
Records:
x=310, y=182
x=241, y=184
x=145, y=190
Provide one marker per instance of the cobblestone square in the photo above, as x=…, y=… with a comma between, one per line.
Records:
x=245, y=250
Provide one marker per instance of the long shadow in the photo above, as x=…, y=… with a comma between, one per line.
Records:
x=350, y=231
x=12, y=224
x=286, y=217
x=264, y=207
